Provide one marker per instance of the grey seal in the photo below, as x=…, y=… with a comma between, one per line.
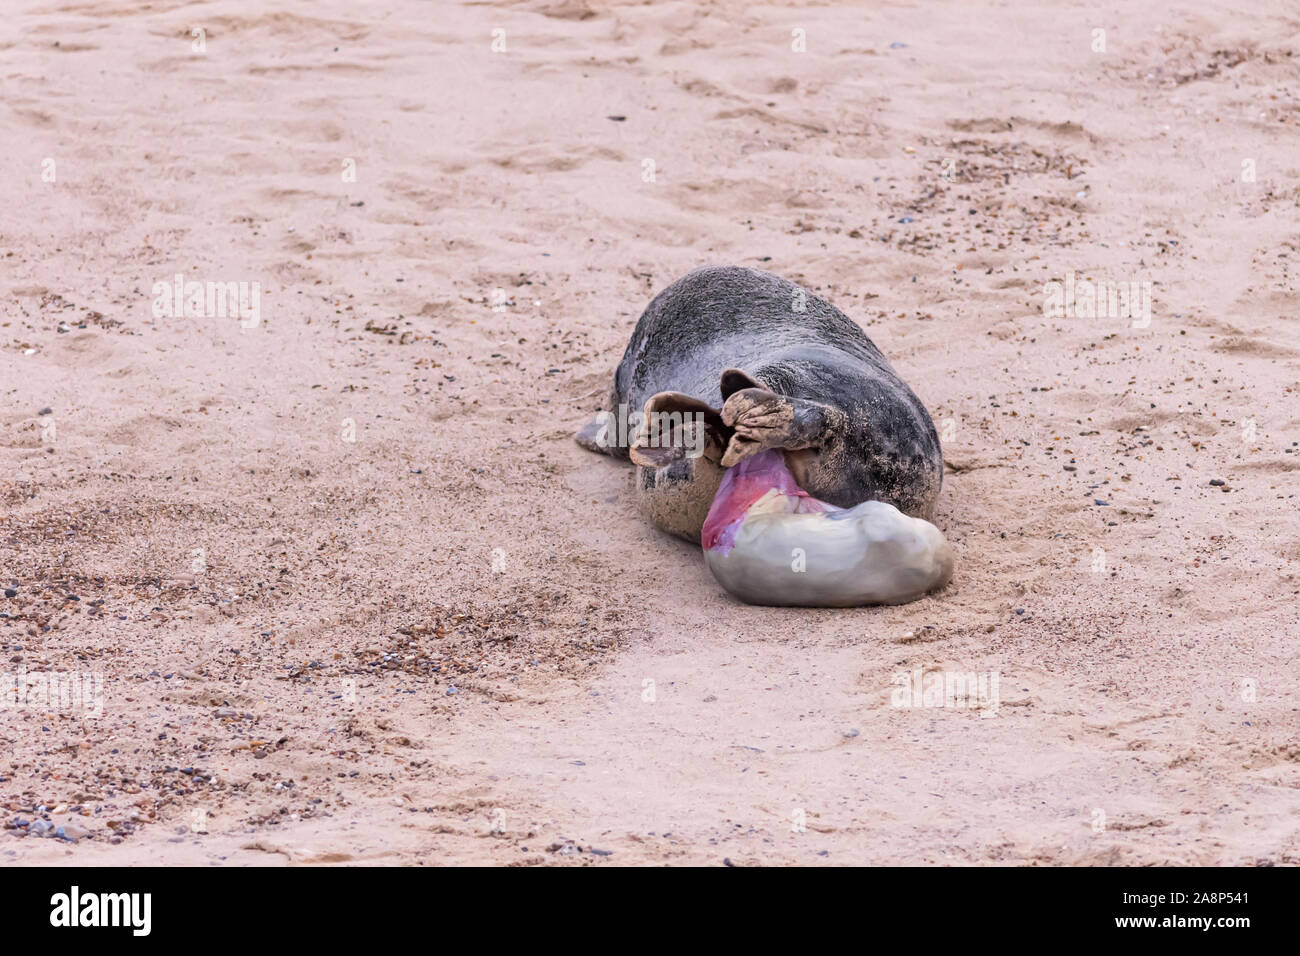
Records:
x=728, y=362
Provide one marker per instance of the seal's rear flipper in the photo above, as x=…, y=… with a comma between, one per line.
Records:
x=733, y=380
x=763, y=419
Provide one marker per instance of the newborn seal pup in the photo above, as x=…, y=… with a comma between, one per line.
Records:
x=768, y=541
x=729, y=362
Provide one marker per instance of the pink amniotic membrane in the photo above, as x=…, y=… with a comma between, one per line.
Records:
x=743, y=485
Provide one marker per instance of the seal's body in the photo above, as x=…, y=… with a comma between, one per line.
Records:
x=748, y=361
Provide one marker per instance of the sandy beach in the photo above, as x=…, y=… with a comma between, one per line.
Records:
x=333, y=584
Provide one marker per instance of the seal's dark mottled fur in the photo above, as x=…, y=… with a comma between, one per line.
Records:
x=731, y=337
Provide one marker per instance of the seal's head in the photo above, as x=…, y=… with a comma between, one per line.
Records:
x=677, y=451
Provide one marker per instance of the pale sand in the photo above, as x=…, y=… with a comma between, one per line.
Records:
x=1124, y=734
